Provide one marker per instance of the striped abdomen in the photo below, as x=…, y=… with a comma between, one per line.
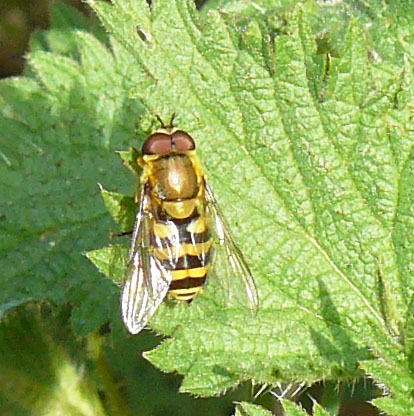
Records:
x=183, y=247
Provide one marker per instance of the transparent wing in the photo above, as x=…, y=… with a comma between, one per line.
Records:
x=147, y=281
x=232, y=272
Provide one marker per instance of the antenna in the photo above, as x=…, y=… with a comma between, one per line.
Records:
x=163, y=125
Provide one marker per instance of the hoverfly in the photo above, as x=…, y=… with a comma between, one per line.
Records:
x=179, y=234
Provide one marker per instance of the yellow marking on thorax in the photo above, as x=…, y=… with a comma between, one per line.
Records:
x=180, y=209
x=197, y=166
x=195, y=272
x=184, y=249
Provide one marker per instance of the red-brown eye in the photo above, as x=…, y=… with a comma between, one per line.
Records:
x=161, y=143
x=183, y=141
x=157, y=143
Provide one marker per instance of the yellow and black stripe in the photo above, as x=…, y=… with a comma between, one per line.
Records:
x=191, y=261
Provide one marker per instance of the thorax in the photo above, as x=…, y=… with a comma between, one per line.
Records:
x=176, y=182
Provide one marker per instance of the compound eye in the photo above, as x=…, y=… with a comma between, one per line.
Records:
x=182, y=141
x=157, y=143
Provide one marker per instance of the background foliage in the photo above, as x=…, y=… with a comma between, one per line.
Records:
x=310, y=108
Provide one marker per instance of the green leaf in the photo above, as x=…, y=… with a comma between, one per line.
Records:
x=66, y=17
x=289, y=177
x=292, y=409
x=331, y=398
x=319, y=411
x=110, y=261
x=66, y=21
x=244, y=11
x=130, y=160
x=122, y=209
x=248, y=409
x=393, y=407
x=395, y=376
x=56, y=145
x=310, y=158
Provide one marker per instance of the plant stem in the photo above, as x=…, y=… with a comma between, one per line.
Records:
x=113, y=400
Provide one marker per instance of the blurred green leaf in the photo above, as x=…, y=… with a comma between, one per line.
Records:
x=61, y=37
x=39, y=374
x=66, y=17
x=331, y=398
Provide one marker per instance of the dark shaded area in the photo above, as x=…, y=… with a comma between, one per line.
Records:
x=342, y=399
x=18, y=20
x=344, y=345
x=346, y=399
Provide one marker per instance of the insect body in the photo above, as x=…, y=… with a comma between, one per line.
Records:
x=178, y=228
